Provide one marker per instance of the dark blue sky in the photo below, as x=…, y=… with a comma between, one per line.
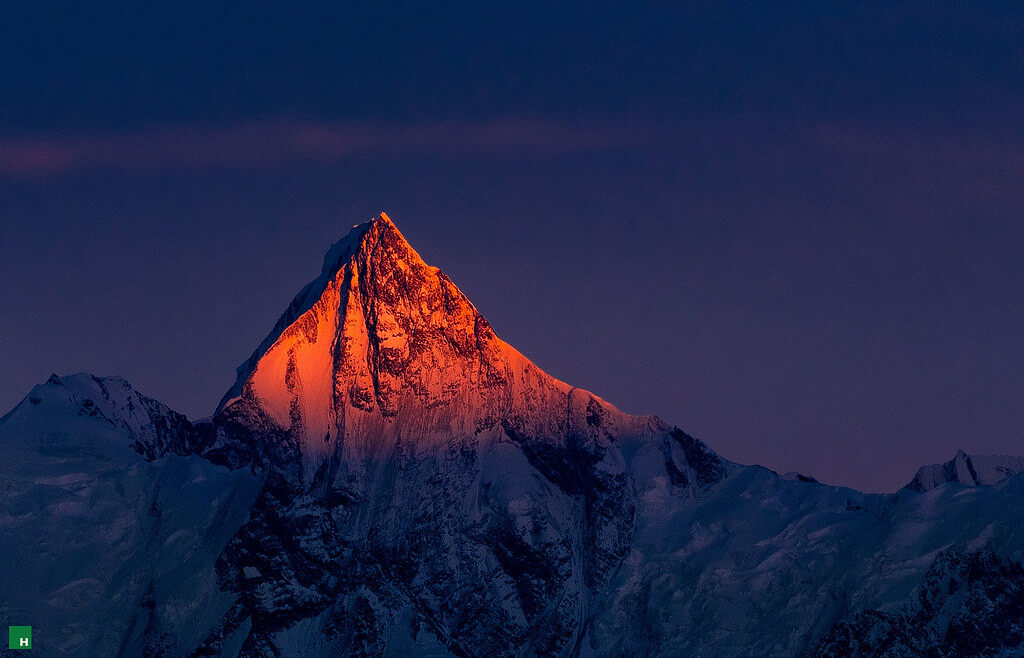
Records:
x=795, y=231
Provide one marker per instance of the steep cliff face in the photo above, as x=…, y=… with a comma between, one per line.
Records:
x=383, y=350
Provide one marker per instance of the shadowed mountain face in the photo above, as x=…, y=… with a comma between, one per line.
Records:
x=388, y=477
x=970, y=470
x=968, y=604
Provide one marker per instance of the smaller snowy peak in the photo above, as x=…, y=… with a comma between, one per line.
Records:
x=154, y=427
x=971, y=470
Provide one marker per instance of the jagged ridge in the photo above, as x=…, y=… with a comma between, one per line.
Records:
x=971, y=470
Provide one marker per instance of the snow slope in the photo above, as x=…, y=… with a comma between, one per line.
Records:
x=105, y=552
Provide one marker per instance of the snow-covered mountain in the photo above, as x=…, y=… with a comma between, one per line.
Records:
x=971, y=470
x=388, y=477
x=382, y=349
x=98, y=538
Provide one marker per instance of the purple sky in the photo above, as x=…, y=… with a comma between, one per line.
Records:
x=799, y=237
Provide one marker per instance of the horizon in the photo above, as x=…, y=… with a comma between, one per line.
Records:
x=197, y=415
x=794, y=233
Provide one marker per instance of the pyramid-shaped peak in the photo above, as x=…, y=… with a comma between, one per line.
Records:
x=377, y=238
x=373, y=265
x=382, y=347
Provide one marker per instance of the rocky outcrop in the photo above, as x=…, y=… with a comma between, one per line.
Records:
x=970, y=470
x=968, y=604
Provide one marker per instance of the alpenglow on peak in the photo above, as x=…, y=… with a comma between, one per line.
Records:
x=383, y=348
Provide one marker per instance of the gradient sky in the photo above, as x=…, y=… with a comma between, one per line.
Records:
x=795, y=231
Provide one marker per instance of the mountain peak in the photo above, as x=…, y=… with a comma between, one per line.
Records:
x=383, y=217
x=379, y=236
x=971, y=470
x=382, y=349
x=377, y=245
x=154, y=428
